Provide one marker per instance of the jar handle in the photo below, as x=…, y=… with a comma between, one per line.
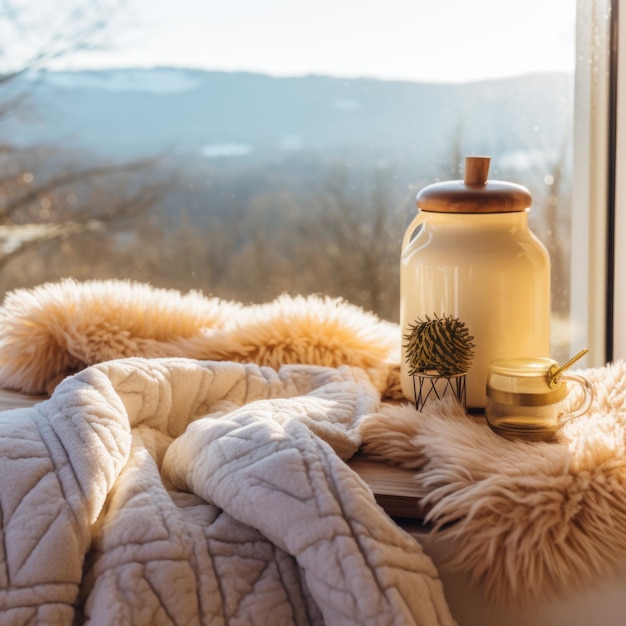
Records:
x=410, y=231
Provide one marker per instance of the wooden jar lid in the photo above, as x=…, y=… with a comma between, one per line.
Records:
x=474, y=194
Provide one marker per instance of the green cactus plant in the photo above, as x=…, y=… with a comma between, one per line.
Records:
x=441, y=345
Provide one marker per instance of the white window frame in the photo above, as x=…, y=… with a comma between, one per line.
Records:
x=618, y=274
x=591, y=265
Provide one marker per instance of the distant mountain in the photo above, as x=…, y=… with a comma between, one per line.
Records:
x=130, y=112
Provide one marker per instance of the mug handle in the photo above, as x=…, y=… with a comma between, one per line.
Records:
x=587, y=396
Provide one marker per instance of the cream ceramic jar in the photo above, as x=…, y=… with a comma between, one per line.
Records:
x=470, y=253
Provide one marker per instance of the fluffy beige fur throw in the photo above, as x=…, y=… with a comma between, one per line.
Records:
x=57, y=329
x=527, y=519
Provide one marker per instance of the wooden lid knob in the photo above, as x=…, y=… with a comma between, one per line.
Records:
x=474, y=194
x=476, y=170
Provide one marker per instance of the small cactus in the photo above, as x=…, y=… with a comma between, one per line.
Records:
x=442, y=345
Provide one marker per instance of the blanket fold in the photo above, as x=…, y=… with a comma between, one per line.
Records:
x=175, y=491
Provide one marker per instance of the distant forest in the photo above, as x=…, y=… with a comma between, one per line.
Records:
x=241, y=232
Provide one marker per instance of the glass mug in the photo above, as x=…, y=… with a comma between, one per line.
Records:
x=526, y=397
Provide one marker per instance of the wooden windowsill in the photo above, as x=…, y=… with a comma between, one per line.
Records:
x=393, y=487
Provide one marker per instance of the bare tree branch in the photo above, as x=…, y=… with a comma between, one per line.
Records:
x=13, y=206
x=44, y=194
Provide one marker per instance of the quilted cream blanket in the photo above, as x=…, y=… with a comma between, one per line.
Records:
x=526, y=521
x=178, y=491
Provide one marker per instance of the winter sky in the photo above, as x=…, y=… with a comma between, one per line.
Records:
x=432, y=40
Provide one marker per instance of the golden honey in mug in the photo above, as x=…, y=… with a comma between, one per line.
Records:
x=530, y=398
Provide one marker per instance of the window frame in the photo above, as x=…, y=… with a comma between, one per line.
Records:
x=616, y=257
x=598, y=300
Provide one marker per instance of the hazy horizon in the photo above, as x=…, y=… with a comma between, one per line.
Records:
x=400, y=40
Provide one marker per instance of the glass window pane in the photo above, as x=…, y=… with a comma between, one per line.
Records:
x=248, y=149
